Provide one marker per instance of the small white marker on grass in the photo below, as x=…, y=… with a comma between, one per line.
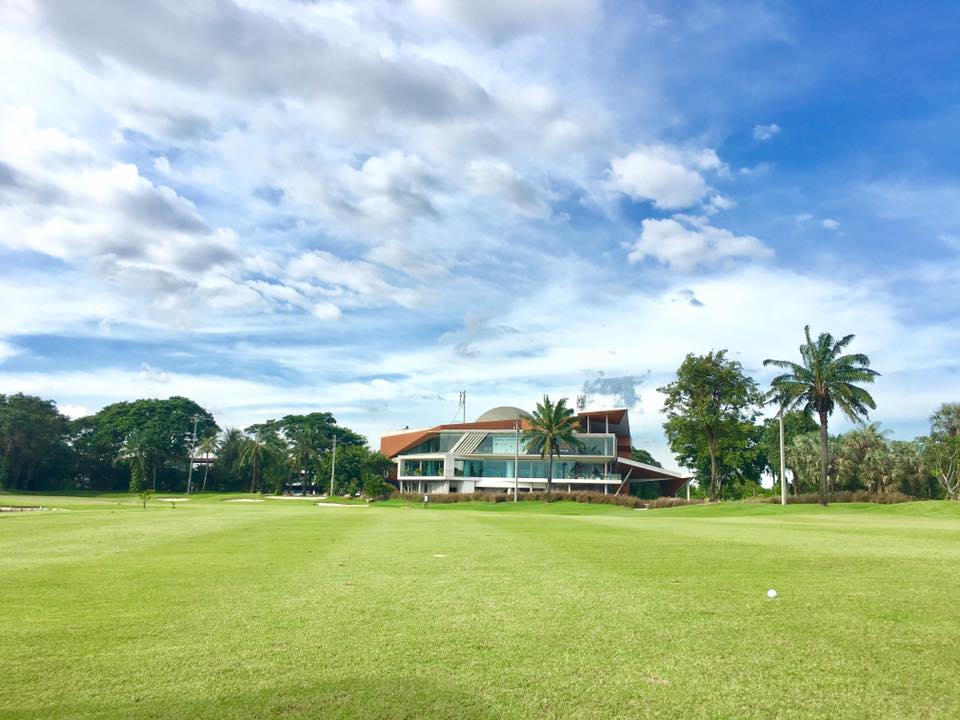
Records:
x=771, y=593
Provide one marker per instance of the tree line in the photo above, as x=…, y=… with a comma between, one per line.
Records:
x=713, y=406
x=147, y=444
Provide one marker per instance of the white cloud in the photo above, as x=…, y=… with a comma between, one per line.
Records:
x=352, y=283
x=830, y=224
x=669, y=177
x=7, y=351
x=498, y=20
x=687, y=243
x=765, y=132
x=496, y=179
x=326, y=311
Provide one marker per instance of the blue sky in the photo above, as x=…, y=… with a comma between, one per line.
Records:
x=367, y=207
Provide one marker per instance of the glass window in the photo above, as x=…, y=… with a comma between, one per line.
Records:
x=422, y=468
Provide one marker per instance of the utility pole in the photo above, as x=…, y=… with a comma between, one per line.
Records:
x=333, y=465
x=516, y=461
x=193, y=451
x=783, y=474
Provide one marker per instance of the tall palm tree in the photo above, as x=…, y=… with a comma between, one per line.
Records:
x=552, y=426
x=826, y=379
x=302, y=453
x=207, y=447
x=253, y=453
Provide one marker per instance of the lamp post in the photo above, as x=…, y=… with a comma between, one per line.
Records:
x=193, y=451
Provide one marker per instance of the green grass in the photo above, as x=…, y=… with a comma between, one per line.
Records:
x=282, y=609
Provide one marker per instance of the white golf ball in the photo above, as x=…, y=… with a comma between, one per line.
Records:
x=771, y=593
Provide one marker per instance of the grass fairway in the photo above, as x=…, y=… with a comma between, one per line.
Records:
x=282, y=609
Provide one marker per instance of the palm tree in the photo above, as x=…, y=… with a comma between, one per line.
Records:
x=136, y=452
x=302, y=453
x=551, y=427
x=254, y=450
x=207, y=447
x=826, y=379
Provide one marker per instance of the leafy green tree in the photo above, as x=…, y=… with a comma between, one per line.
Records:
x=740, y=464
x=825, y=379
x=645, y=457
x=552, y=426
x=167, y=427
x=942, y=448
x=354, y=465
x=710, y=408
x=33, y=443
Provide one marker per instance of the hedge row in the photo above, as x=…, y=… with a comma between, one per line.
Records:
x=596, y=498
x=846, y=496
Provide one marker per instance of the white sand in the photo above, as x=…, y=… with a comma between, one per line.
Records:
x=244, y=500
x=174, y=499
x=288, y=497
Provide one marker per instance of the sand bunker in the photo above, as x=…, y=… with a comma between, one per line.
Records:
x=174, y=499
x=244, y=500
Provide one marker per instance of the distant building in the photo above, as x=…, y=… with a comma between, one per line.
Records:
x=480, y=457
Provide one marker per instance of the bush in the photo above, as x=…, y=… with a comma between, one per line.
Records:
x=847, y=496
x=587, y=497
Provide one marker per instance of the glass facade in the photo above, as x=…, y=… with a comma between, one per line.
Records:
x=506, y=444
x=562, y=469
x=439, y=444
x=422, y=468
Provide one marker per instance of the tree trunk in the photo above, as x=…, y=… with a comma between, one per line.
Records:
x=714, y=480
x=549, y=475
x=824, y=459
x=154, y=478
x=206, y=470
x=253, y=476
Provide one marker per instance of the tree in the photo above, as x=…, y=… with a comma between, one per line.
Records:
x=207, y=447
x=254, y=452
x=166, y=425
x=552, y=426
x=710, y=408
x=863, y=459
x=354, y=465
x=942, y=448
x=824, y=380
x=645, y=457
x=33, y=450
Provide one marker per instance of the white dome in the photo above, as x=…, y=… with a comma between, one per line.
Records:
x=504, y=412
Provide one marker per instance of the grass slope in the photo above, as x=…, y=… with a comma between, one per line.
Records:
x=282, y=609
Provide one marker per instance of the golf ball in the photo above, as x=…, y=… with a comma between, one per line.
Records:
x=771, y=593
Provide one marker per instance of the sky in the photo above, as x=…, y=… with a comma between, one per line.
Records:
x=276, y=207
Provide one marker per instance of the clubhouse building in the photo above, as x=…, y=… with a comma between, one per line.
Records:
x=489, y=456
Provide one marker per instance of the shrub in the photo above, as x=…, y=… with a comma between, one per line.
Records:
x=584, y=496
x=848, y=496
